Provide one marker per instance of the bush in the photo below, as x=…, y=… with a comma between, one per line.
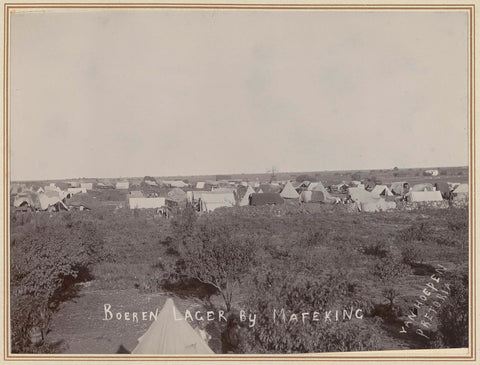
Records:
x=453, y=315
x=274, y=290
x=218, y=257
x=44, y=264
x=412, y=254
x=416, y=232
x=388, y=271
x=376, y=249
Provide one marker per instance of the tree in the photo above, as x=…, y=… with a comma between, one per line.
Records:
x=388, y=270
x=302, y=178
x=183, y=226
x=218, y=257
x=273, y=173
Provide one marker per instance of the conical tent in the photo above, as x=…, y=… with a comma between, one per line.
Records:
x=245, y=200
x=289, y=192
x=327, y=198
x=171, y=334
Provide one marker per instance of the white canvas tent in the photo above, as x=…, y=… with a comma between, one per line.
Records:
x=381, y=190
x=245, y=200
x=146, y=203
x=209, y=201
x=424, y=196
x=170, y=333
x=289, y=192
x=122, y=185
x=461, y=189
x=368, y=202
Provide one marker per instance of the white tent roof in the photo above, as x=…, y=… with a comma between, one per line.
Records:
x=312, y=186
x=289, y=192
x=462, y=188
x=360, y=195
x=424, y=196
x=381, y=190
x=245, y=200
x=211, y=200
x=168, y=335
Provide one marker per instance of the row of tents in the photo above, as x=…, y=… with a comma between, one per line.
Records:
x=367, y=196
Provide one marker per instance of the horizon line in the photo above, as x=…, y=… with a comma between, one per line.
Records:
x=240, y=173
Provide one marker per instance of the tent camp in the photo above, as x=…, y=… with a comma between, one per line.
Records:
x=266, y=199
x=443, y=188
x=51, y=200
x=136, y=194
x=122, y=185
x=398, y=188
x=312, y=185
x=27, y=199
x=88, y=186
x=424, y=196
x=270, y=188
x=146, y=203
x=461, y=192
x=209, y=201
x=423, y=187
x=368, y=202
x=461, y=189
x=170, y=333
x=246, y=197
x=289, y=192
x=320, y=194
x=175, y=183
x=178, y=195
x=360, y=195
x=381, y=191
x=377, y=205
x=76, y=190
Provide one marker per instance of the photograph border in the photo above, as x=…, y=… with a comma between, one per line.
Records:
x=12, y=7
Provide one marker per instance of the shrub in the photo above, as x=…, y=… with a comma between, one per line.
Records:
x=453, y=315
x=375, y=249
x=273, y=290
x=416, y=232
x=412, y=254
x=182, y=226
x=388, y=270
x=44, y=263
x=217, y=257
x=315, y=237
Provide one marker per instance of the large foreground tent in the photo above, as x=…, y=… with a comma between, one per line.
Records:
x=170, y=335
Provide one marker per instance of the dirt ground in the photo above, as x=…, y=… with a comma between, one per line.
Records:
x=81, y=328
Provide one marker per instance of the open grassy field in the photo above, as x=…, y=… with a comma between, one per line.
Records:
x=132, y=260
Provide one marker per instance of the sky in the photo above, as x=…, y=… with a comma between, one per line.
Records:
x=190, y=92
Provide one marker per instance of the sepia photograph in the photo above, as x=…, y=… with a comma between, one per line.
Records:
x=238, y=181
